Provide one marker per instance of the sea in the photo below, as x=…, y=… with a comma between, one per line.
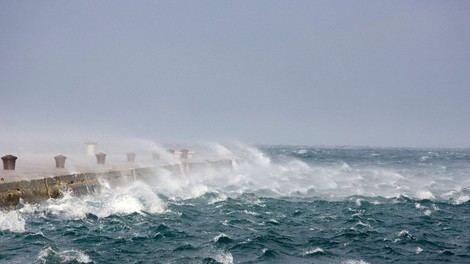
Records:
x=278, y=204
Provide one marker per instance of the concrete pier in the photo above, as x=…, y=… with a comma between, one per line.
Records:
x=38, y=182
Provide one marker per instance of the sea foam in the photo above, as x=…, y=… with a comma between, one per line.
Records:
x=12, y=221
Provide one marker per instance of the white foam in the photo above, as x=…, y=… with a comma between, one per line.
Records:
x=273, y=221
x=302, y=151
x=219, y=236
x=65, y=256
x=358, y=202
x=353, y=261
x=224, y=257
x=418, y=250
x=424, y=195
x=12, y=221
x=220, y=197
x=137, y=197
x=74, y=255
x=405, y=234
x=462, y=199
x=256, y=173
x=424, y=158
x=249, y=212
x=313, y=251
x=221, y=256
x=345, y=167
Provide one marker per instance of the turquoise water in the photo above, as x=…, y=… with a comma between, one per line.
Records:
x=280, y=204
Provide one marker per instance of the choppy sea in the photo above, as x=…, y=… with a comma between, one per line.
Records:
x=279, y=204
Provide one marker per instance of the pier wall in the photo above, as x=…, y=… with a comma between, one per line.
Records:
x=37, y=190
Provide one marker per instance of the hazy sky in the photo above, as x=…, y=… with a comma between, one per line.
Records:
x=379, y=73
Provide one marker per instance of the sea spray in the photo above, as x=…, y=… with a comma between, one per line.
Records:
x=284, y=204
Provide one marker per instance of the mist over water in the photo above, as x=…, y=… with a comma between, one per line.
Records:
x=285, y=204
x=331, y=173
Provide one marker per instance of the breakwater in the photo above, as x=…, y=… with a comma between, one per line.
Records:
x=80, y=183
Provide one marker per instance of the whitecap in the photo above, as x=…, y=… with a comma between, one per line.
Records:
x=220, y=198
x=249, y=212
x=353, y=261
x=425, y=195
x=345, y=167
x=358, y=202
x=461, y=200
x=424, y=158
x=419, y=250
x=74, y=255
x=65, y=256
x=138, y=197
x=405, y=234
x=302, y=151
x=362, y=224
x=314, y=251
x=221, y=235
x=273, y=221
x=224, y=257
x=12, y=221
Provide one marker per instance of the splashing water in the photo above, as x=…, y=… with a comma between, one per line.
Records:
x=282, y=204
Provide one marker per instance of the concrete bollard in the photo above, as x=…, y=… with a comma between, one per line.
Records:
x=131, y=157
x=90, y=148
x=176, y=154
x=186, y=154
x=9, y=162
x=60, y=161
x=155, y=155
x=100, y=158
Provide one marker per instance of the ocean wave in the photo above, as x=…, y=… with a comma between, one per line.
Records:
x=267, y=175
x=137, y=197
x=314, y=251
x=49, y=255
x=222, y=239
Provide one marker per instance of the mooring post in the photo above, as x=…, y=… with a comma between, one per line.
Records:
x=186, y=154
x=100, y=158
x=91, y=148
x=60, y=161
x=9, y=162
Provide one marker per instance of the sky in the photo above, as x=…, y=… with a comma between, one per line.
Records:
x=355, y=73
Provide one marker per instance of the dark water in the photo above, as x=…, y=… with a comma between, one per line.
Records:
x=281, y=204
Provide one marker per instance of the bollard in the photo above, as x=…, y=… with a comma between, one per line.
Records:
x=184, y=153
x=90, y=148
x=100, y=158
x=155, y=155
x=131, y=157
x=60, y=161
x=9, y=162
x=176, y=154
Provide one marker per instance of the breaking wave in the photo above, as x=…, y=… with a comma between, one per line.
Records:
x=304, y=171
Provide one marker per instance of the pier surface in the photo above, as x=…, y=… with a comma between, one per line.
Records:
x=36, y=179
